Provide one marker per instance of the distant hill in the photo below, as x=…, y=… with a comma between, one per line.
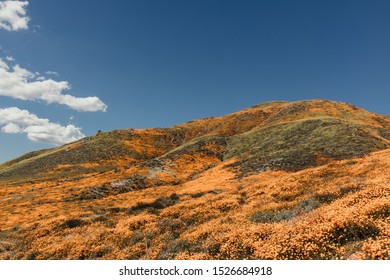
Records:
x=215, y=188
x=272, y=135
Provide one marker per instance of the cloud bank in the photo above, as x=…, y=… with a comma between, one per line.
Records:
x=15, y=120
x=19, y=83
x=13, y=15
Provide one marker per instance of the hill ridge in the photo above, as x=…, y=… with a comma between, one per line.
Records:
x=133, y=146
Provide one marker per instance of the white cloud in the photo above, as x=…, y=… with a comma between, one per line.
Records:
x=18, y=83
x=52, y=73
x=11, y=128
x=3, y=64
x=37, y=129
x=13, y=15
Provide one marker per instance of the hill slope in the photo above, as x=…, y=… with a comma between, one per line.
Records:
x=244, y=185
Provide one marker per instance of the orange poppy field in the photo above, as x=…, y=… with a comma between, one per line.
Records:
x=280, y=180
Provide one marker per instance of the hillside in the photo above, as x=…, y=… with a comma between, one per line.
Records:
x=280, y=180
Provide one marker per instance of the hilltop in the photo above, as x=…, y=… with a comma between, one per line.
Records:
x=279, y=180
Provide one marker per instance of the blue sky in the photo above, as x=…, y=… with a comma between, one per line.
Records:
x=154, y=63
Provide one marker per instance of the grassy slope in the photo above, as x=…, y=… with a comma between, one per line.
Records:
x=339, y=210
x=246, y=185
x=296, y=145
x=269, y=135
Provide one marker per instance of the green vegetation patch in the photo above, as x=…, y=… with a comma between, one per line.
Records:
x=103, y=146
x=296, y=145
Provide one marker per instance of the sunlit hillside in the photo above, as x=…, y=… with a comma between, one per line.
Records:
x=279, y=180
